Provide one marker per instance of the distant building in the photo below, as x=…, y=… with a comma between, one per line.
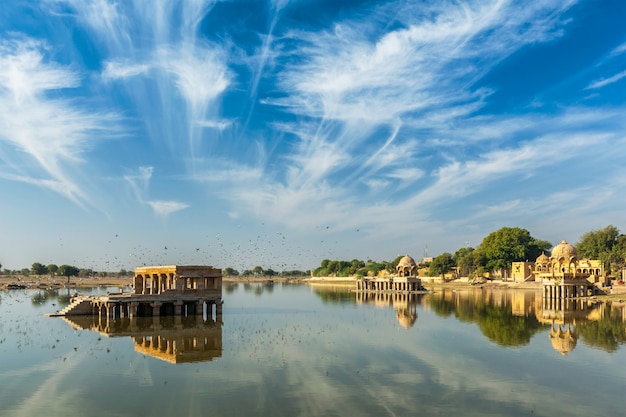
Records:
x=563, y=262
x=562, y=274
x=405, y=280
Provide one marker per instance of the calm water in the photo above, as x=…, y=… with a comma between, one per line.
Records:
x=287, y=350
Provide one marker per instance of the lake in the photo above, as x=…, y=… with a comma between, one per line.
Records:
x=289, y=350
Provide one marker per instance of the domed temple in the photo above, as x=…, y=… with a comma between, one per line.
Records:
x=562, y=274
x=405, y=280
x=406, y=267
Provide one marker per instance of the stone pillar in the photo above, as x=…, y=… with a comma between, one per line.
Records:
x=178, y=308
x=132, y=310
x=99, y=316
x=156, y=309
x=218, y=308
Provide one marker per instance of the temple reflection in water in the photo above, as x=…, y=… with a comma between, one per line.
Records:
x=172, y=339
x=405, y=304
x=513, y=317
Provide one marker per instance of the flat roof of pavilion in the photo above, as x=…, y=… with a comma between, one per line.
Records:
x=182, y=270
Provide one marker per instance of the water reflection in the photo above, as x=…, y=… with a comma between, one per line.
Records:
x=310, y=351
x=512, y=318
x=504, y=317
x=334, y=294
x=404, y=304
x=606, y=327
x=173, y=339
x=508, y=318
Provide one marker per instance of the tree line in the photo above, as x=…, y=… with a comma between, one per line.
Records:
x=39, y=269
x=494, y=255
x=259, y=271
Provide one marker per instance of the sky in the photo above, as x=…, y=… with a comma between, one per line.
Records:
x=278, y=133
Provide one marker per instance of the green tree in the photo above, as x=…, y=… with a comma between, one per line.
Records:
x=510, y=244
x=52, y=269
x=441, y=264
x=373, y=268
x=618, y=253
x=391, y=266
x=230, y=272
x=469, y=261
x=333, y=267
x=258, y=271
x=85, y=272
x=357, y=264
x=68, y=271
x=39, y=269
x=605, y=244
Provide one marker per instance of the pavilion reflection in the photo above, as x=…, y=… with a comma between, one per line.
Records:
x=564, y=317
x=510, y=317
x=405, y=304
x=173, y=339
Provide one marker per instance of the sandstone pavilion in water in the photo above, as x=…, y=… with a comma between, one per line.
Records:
x=158, y=291
x=405, y=280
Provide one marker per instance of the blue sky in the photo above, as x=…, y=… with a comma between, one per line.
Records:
x=279, y=133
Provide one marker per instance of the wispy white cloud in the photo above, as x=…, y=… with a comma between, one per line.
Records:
x=417, y=82
x=355, y=72
x=139, y=183
x=619, y=50
x=215, y=124
x=606, y=81
x=119, y=70
x=199, y=74
x=182, y=74
x=165, y=208
x=48, y=135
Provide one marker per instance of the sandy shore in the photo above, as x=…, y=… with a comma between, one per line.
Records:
x=61, y=282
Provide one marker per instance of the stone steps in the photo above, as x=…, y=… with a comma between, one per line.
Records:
x=79, y=306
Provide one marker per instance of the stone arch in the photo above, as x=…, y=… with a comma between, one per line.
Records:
x=144, y=310
x=167, y=309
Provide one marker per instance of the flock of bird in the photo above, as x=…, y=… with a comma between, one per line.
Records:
x=271, y=250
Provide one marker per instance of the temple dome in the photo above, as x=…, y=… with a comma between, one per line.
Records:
x=563, y=250
x=563, y=341
x=407, y=261
x=542, y=259
x=406, y=266
x=406, y=318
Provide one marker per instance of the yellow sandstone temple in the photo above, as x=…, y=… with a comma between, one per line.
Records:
x=562, y=274
x=406, y=279
x=173, y=290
